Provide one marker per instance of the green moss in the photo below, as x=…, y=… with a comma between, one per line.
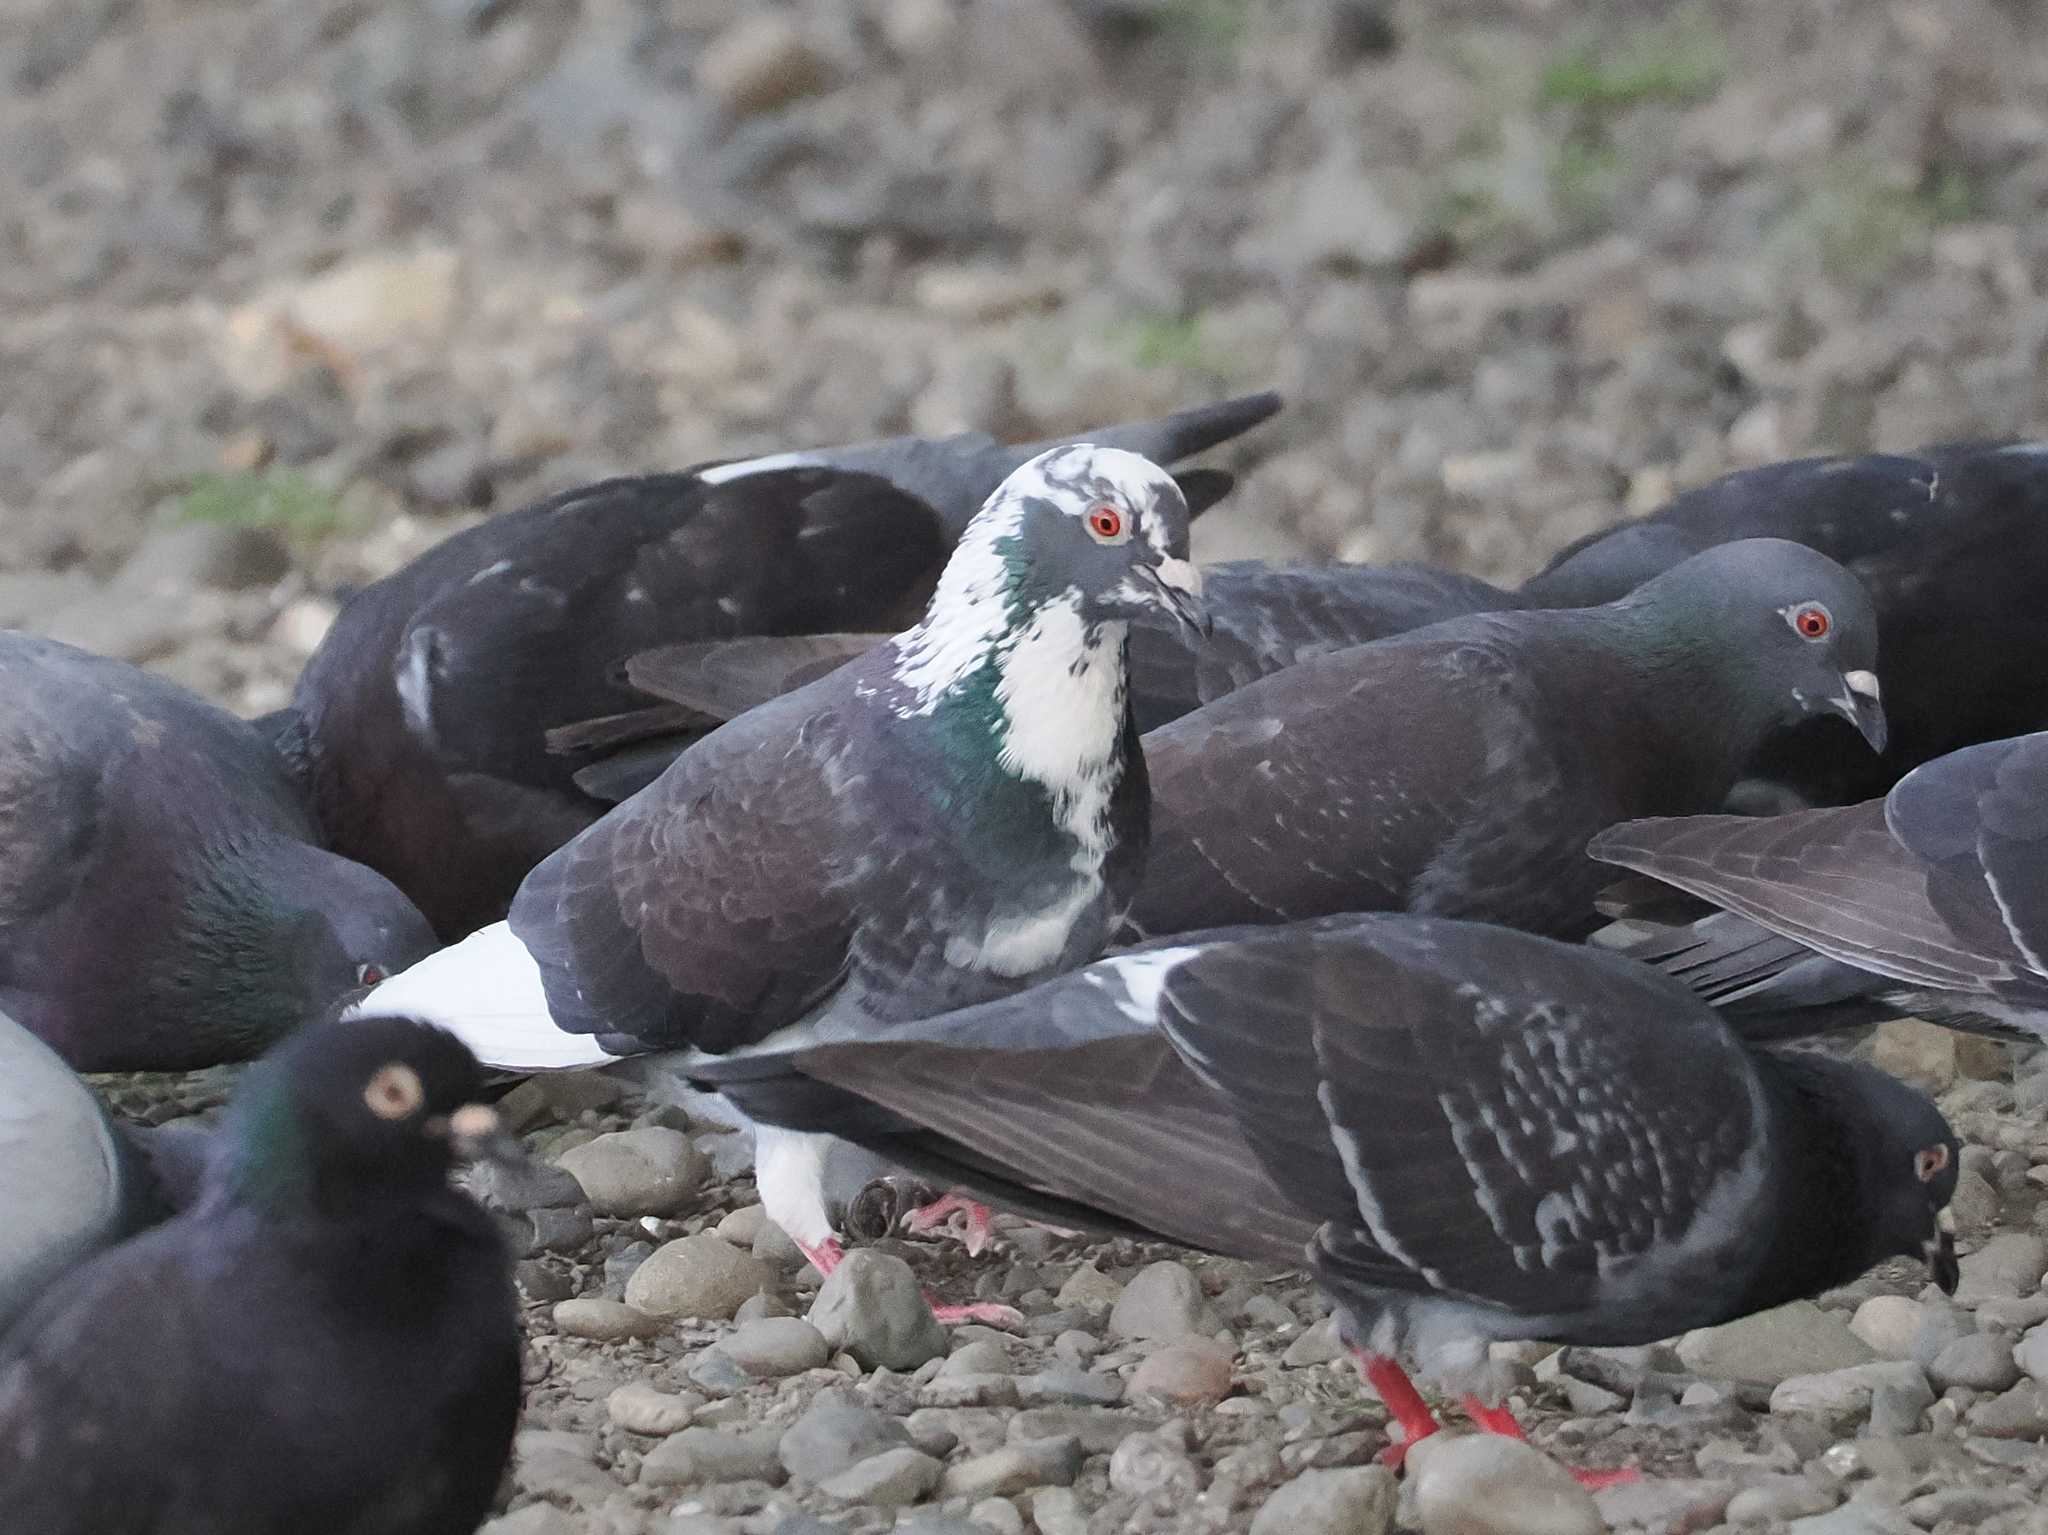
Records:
x=1861, y=222
x=274, y=498
x=1682, y=59
x=1215, y=26
x=1168, y=341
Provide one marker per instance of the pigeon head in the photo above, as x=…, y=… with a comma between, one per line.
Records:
x=342, y=1114
x=1907, y=1163
x=1793, y=632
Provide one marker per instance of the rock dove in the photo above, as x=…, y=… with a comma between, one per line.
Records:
x=1478, y=1134
x=1262, y=618
x=70, y=1184
x=953, y=817
x=1932, y=901
x=1947, y=541
x=422, y=720
x=164, y=900
x=327, y=1344
x=1460, y=770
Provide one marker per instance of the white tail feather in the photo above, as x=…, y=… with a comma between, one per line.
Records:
x=486, y=991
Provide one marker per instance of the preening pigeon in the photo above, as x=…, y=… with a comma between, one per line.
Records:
x=1948, y=542
x=1479, y=1134
x=422, y=720
x=955, y=816
x=164, y=899
x=1460, y=770
x=326, y=1345
x=70, y=1184
x=1931, y=902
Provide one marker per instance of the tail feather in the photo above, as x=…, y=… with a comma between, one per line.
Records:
x=487, y=992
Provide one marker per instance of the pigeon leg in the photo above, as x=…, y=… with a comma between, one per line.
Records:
x=825, y=1257
x=1403, y=1401
x=931, y=1217
x=1501, y=1420
x=828, y=1255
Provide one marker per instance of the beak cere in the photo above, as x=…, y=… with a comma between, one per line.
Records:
x=1861, y=703
x=1180, y=591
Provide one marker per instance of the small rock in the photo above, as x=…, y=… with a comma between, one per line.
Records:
x=1016, y=1467
x=1351, y=1500
x=1058, y=1511
x=1192, y=1374
x=983, y=1356
x=969, y=1391
x=776, y=1346
x=1484, y=1484
x=759, y=63
x=534, y=1519
x=1965, y=1507
x=1772, y=1346
x=696, y=1276
x=2010, y=1264
x=554, y=1463
x=871, y=1307
x=1982, y=1361
x=774, y=1245
x=997, y=1514
x=715, y=1374
x=1854, y=1519
x=836, y=1435
x=604, y=1321
x=1155, y=1464
x=223, y=555
x=1887, y=1323
x=1099, y=1429
x=712, y=1455
x=2015, y=1315
x=648, y=1171
x=1840, y=1394
x=1164, y=1300
x=369, y=304
x=1664, y=1504
x=1781, y=1498
x=640, y=1409
x=542, y=1282
x=1318, y=1345
x=894, y=1477
x=1974, y=1204
x=2030, y=1354
x=2021, y=1413
x=743, y=1225
x=1897, y=1410
x=1080, y=1387
x=1088, y=1288
x=1940, y=1325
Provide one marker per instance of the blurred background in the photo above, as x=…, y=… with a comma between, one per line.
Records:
x=290, y=289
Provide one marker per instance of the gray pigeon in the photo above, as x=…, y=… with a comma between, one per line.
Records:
x=1477, y=1134
x=1460, y=770
x=1931, y=902
x=421, y=724
x=165, y=901
x=957, y=815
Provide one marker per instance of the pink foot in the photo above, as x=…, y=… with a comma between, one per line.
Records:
x=1499, y=1420
x=825, y=1257
x=939, y=1213
x=1403, y=1401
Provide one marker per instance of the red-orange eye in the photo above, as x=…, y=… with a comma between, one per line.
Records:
x=1812, y=622
x=1106, y=522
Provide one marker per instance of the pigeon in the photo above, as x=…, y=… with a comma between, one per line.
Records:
x=1946, y=541
x=1931, y=902
x=165, y=901
x=327, y=1344
x=72, y=1183
x=1460, y=770
x=421, y=722
x=1262, y=618
x=960, y=813
x=1476, y=1134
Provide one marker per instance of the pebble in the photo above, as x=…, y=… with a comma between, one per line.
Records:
x=1854, y=1519
x=640, y=1409
x=1941, y=1323
x=1016, y=1467
x=604, y=1321
x=1664, y=1504
x=902, y=1475
x=1772, y=1346
x=1781, y=1498
x=1088, y=1288
x=1484, y=1484
x=1318, y=1345
x=559, y=1464
x=1887, y=1324
x=998, y=1514
x=1982, y=1361
x=1059, y=1511
x=1156, y=1464
x=1967, y=1507
x=697, y=1276
x=2021, y=1413
x=776, y=1346
x=648, y=1171
x=1163, y=1300
x=1192, y=1374
x=534, y=1519
x=1840, y=1394
x=835, y=1435
x=2009, y=1265
x=759, y=63
x=1060, y=1387
x=871, y=1307
x=2030, y=1354
x=713, y=1455
x=743, y=1225
x=1350, y=1500
x=983, y=1356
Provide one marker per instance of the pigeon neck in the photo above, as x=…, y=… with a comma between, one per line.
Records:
x=1700, y=699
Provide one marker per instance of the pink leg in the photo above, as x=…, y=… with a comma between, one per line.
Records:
x=1500, y=1420
x=1403, y=1401
x=828, y=1255
x=931, y=1217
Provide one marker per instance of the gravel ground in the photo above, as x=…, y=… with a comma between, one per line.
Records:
x=292, y=290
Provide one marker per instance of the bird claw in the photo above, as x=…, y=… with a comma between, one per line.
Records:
x=938, y=1214
x=988, y=1313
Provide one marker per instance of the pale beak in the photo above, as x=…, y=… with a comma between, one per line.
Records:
x=1861, y=703
x=476, y=1135
x=1179, y=584
x=1940, y=1253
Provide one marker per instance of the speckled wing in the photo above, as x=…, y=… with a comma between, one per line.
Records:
x=711, y=908
x=1269, y=617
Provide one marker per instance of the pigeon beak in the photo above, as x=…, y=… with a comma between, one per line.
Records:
x=1179, y=587
x=1861, y=703
x=477, y=1135
x=1940, y=1253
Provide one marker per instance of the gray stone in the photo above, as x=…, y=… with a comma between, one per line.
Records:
x=712, y=1455
x=715, y=1374
x=1968, y=1507
x=1663, y=1504
x=534, y=1519
x=1982, y=1361
x=1855, y=1519
x=1058, y=1511
x=1887, y=1324
x=1782, y=1498
x=835, y=1435
x=1163, y=1300
x=1350, y=1500
x=1897, y=1410
x=1317, y=1345
x=743, y=1225
x=776, y=1346
x=1076, y=1387
x=648, y=1171
x=901, y=1475
x=997, y=1514
x=969, y=1391
x=1772, y=1346
x=1156, y=1464
x=2010, y=1264
x=640, y=1409
x=541, y=1282
x=605, y=1321
x=2021, y=1413
x=1844, y=1394
x=2015, y=1315
x=1088, y=1288
x=1484, y=1484
x=765, y=1303
x=982, y=1356
x=1015, y=1467
x=697, y=1276
x=759, y=63
x=2030, y=1354
x=1196, y=1373
x=1098, y=1429
x=1941, y=1323
x=871, y=1307
x=553, y=1463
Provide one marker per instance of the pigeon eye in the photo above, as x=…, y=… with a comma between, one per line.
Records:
x=1812, y=621
x=1106, y=523
x=368, y=974
x=394, y=1092
x=1930, y=1162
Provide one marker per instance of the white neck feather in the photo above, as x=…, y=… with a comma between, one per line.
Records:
x=1061, y=689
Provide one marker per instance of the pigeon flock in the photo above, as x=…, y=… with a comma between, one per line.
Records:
x=1470, y=947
